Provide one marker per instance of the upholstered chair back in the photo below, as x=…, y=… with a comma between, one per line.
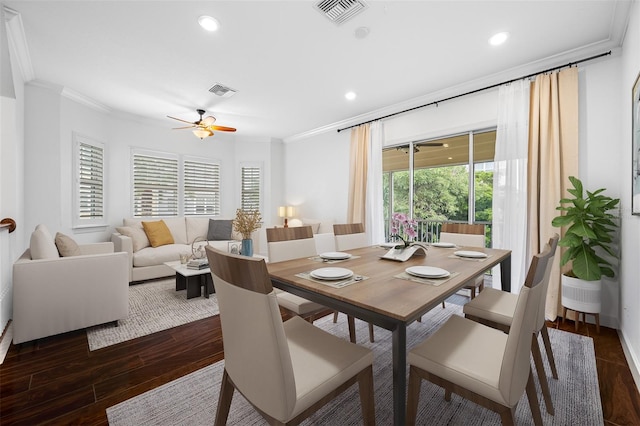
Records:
x=290, y=243
x=516, y=363
x=349, y=236
x=462, y=234
x=256, y=352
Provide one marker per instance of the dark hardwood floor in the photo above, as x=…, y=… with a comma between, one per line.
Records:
x=58, y=380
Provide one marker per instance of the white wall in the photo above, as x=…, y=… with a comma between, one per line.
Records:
x=629, y=310
x=49, y=147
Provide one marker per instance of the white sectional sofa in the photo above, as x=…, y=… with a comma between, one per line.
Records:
x=146, y=262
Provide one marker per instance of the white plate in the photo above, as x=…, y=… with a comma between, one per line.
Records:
x=335, y=255
x=427, y=272
x=443, y=245
x=331, y=273
x=469, y=253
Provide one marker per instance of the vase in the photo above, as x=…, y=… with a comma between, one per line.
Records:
x=247, y=247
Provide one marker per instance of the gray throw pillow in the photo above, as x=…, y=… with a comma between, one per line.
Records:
x=219, y=230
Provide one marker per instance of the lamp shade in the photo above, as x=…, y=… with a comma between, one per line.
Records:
x=202, y=133
x=285, y=211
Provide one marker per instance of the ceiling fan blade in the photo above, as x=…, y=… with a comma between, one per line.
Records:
x=222, y=128
x=180, y=119
x=185, y=127
x=208, y=121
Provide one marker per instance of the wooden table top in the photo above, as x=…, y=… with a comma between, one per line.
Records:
x=382, y=292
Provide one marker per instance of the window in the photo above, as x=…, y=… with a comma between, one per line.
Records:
x=441, y=180
x=89, y=182
x=250, y=191
x=201, y=185
x=155, y=185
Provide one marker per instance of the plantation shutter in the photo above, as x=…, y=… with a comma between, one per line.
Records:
x=250, y=188
x=90, y=182
x=201, y=188
x=155, y=186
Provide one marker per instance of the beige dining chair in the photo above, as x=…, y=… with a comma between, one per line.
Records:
x=349, y=236
x=497, y=379
x=269, y=361
x=496, y=309
x=469, y=235
x=294, y=243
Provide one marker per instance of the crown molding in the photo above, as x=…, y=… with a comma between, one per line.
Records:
x=71, y=95
x=18, y=43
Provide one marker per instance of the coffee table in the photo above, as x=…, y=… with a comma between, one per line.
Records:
x=192, y=279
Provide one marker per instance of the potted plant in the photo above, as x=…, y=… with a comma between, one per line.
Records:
x=246, y=222
x=590, y=229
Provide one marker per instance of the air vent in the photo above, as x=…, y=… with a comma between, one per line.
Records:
x=221, y=90
x=340, y=11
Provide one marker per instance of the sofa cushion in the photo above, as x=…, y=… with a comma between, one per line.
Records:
x=42, y=245
x=66, y=245
x=196, y=227
x=152, y=256
x=158, y=233
x=219, y=230
x=178, y=228
x=137, y=235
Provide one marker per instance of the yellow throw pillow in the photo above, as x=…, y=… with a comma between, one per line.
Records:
x=158, y=233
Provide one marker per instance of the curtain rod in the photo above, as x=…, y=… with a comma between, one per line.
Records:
x=569, y=64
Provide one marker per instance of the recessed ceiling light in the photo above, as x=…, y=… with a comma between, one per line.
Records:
x=208, y=23
x=498, y=39
x=361, y=32
x=350, y=95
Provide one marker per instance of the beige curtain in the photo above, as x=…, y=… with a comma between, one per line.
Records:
x=553, y=157
x=356, y=212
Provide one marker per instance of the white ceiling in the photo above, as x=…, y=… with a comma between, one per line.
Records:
x=290, y=64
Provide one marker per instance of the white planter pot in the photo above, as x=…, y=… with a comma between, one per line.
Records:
x=581, y=296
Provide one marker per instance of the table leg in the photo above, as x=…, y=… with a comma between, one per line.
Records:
x=193, y=287
x=505, y=274
x=181, y=282
x=207, y=282
x=399, y=351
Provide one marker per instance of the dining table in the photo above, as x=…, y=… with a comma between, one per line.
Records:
x=383, y=293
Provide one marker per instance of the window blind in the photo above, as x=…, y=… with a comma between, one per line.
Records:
x=250, y=197
x=201, y=188
x=90, y=182
x=155, y=186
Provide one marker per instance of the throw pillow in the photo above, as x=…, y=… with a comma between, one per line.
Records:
x=219, y=230
x=42, y=246
x=158, y=233
x=137, y=235
x=66, y=245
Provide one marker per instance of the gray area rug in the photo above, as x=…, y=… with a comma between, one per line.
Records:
x=192, y=399
x=153, y=306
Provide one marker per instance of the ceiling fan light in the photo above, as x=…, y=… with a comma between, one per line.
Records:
x=202, y=133
x=208, y=23
x=208, y=121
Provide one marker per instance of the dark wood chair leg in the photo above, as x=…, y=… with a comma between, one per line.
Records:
x=335, y=317
x=533, y=401
x=224, y=400
x=413, y=396
x=547, y=347
x=542, y=375
x=371, y=337
x=365, y=385
x=352, y=328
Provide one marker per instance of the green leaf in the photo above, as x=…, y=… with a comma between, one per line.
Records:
x=585, y=265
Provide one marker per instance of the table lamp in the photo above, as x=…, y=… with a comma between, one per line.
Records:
x=286, y=212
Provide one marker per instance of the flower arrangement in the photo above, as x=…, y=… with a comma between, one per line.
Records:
x=246, y=222
x=403, y=227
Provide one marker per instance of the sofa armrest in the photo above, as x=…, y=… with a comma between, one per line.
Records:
x=125, y=244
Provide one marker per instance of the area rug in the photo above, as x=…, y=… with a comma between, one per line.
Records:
x=192, y=399
x=153, y=306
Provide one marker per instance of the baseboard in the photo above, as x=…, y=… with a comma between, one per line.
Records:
x=5, y=340
x=632, y=360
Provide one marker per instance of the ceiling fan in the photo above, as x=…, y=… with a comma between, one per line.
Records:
x=204, y=127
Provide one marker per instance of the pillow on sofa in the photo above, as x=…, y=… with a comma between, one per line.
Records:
x=66, y=245
x=137, y=235
x=219, y=230
x=41, y=245
x=158, y=233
